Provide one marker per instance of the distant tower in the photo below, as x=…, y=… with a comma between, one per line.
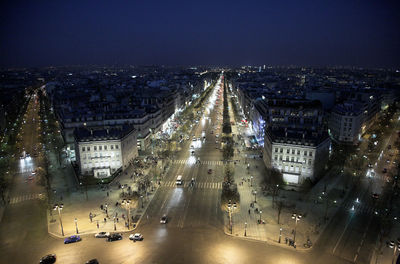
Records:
x=259, y=69
x=264, y=66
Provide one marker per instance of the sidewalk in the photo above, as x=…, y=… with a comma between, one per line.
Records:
x=311, y=206
x=76, y=206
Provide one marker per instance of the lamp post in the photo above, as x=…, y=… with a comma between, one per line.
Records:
x=245, y=229
x=127, y=203
x=76, y=225
x=59, y=207
x=297, y=217
x=395, y=247
x=260, y=216
x=231, y=207
x=280, y=235
x=115, y=226
x=255, y=196
x=141, y=198
x=106, y=205
x=251, y=181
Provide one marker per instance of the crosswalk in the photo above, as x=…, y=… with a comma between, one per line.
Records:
x=26, y=197
x=202, y=185
x=359, y=207
x=203, y=162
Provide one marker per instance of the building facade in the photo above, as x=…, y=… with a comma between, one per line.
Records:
x=101, y=152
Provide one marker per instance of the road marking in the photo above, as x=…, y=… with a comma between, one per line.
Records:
x=25, y=197
x=341, y=236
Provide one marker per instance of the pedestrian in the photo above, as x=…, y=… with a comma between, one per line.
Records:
x=108, y=194
x=90, y=216
x=101, y=207
x=105, y=219
x=117, y=219
x=97, y=224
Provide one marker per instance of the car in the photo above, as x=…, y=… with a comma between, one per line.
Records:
x=48, y=259
x=72, y=239
x=194, y=139
x=92, y=261
x=102, y=234
x=209, y=171
x=33, y=172
x=136, y=237
x=114, y=237
x=375, y=195
x=164, y=219
x=192, y=152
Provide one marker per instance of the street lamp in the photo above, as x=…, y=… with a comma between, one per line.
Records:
x=245, y=229
x=106, y=205
x=280, y=235
x=76, y=225
x=297, y=217
x=59, y=207
x=251, y=181
x=127, y=203
x=115, y=226
x=260, y=216
x=231, y=207
x=141, y=198
x=395, y=247
x=255, y=196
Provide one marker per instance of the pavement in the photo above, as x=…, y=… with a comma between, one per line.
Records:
x=80, y=204
x=317, y=207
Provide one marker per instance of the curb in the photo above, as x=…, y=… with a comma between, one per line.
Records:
x=56, y=235
x=268, y=241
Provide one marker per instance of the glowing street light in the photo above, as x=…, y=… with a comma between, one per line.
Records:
x=59, y=207
x=76, y=225
x=297, y=218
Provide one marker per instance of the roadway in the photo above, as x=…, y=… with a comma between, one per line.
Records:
x=194, y=233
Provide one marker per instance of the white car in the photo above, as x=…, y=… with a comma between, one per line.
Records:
x=164, y=219
x=102, y=234
x=136, y=237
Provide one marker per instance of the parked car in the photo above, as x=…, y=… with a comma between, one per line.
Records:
x=92, y=261
x=375, y=195
x=164, y=219
x=48, y=259
x=114, y=237
x=209, y=171
x=72, y=239
x=136, y=237
x=102, y=234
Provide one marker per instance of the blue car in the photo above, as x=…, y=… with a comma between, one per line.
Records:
x=72, y=239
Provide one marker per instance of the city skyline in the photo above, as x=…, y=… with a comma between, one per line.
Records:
x=361, y=34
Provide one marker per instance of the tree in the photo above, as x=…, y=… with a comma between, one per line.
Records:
x=271, y=181
x=279, y=207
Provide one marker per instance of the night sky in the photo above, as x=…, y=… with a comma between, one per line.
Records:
x=304, y=33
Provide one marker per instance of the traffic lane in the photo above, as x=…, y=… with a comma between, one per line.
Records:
x=369, y=241
x=329, y=239
x=204, y=209
x=23, y=233
x=353, y=237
